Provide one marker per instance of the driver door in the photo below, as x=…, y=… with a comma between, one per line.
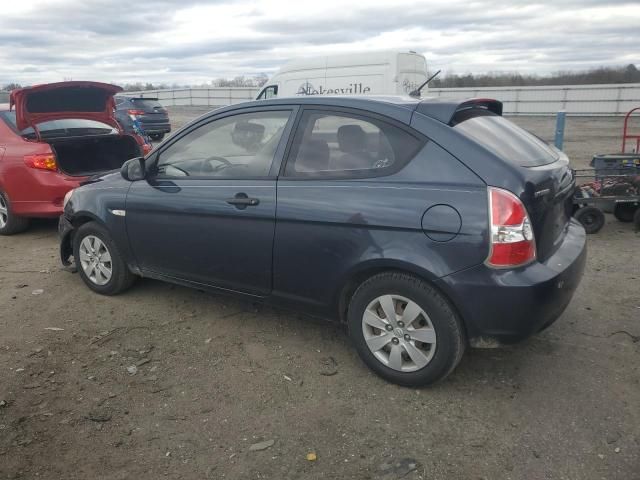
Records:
x=206, y=212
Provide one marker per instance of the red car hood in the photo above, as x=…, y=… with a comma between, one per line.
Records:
x=54, y=101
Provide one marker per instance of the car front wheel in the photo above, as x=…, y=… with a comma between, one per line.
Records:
x=9, y=222
x=405, y=330
x=99, y=261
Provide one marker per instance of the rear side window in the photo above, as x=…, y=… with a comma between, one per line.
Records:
x=344, y=145
x=504, y=138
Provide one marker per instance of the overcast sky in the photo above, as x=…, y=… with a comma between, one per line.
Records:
x=195, y=41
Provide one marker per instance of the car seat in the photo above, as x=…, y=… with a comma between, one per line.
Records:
x=352, y=140
x=313, y=156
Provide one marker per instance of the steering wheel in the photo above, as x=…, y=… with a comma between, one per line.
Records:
x=163, y=170
x=206, y=166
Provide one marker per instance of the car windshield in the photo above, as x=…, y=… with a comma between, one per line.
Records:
x=66, y=127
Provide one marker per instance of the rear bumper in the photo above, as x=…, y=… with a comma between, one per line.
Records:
x=162, y=126
x=505, y=306
x=41, y=193
x=154, y=127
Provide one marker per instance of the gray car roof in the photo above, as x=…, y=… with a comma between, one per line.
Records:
x=398, y=106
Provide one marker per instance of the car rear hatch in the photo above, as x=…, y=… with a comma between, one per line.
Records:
x=64, y=100
x=149, y=112
x=548, y=180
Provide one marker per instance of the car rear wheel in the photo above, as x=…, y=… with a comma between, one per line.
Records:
x=99, y=261
x=157, y=136
x=405, y=330
x=10, y=223
x=591, y=218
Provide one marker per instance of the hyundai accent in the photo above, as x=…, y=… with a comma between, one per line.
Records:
x=426, y=226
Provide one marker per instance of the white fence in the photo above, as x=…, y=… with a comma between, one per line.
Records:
x=208, y=97
x=574, y=99
x=585, y=100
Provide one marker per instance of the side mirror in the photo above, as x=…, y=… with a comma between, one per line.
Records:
x=133, y=169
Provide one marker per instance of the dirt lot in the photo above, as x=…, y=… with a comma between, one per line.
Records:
x=164, y=381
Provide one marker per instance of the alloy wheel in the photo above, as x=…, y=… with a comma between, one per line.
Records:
x=95, y=260
x=399, y=333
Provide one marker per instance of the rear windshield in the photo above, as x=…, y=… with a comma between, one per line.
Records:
x=66, y=127
x=146, y=103
x=504, y=138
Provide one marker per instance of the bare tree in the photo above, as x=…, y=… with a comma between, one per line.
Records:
x=628, y=74
x=241, y=81
x=11, y=86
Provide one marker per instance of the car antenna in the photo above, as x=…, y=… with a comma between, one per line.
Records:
x=416, y=92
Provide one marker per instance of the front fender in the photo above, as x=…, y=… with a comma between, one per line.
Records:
x=96, y=202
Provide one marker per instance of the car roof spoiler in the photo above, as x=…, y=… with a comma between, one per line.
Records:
x=444, y=109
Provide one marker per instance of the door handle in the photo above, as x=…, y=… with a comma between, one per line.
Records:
x=242, y=201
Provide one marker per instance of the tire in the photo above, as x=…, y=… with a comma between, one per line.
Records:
x=624, y=212
x=98, y=242
x=435, y=322
x=10, y=224
x=591, y=218
x=636, y=219
x=157, y=136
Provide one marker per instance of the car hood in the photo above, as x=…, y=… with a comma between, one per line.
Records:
x=55, y=101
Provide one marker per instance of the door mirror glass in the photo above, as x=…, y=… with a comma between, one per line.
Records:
x=133, y=169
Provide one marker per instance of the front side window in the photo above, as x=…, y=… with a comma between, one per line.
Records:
x=237, y=146
x=343, y=145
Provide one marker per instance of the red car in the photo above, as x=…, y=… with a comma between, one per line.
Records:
x=52, y=138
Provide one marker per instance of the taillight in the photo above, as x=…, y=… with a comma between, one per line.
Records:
x=512, y=240
x=43, y=161
x=135, y=112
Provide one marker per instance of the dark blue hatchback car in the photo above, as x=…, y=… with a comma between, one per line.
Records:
x=425, y=225
x=152, y=117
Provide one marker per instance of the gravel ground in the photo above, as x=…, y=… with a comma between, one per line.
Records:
x=164, y=381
